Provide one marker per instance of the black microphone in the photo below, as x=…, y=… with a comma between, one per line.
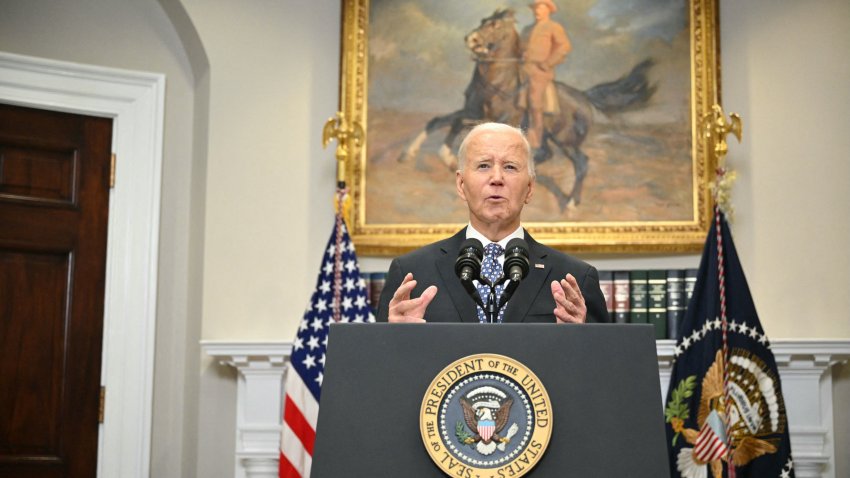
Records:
x=516, y=267
x=468, y=266
x=468, y=263
x=516, y=259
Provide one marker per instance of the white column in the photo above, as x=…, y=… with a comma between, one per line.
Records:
x=258, y=400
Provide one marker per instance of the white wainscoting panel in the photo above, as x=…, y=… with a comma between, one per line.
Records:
x=804, y=368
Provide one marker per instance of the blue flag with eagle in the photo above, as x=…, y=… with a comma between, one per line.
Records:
x=725, y=404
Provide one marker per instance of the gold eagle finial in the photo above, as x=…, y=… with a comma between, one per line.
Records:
x=349, y=136
x=716, y=128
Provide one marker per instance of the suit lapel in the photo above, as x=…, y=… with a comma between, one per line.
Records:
x=530, y=287
x=464, y=304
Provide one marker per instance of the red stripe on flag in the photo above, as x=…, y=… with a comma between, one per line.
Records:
x=286, y=470
x=298, y=424
x=708, y=446
x=715, y=450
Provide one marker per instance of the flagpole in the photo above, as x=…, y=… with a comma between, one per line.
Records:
x=724, y=370
x=716, y=130
x=337, y=287
x=724, y=326
x=349, y=136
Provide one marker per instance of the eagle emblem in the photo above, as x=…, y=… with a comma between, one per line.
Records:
x=753, y=412
x=486, y=411
x=486, y=415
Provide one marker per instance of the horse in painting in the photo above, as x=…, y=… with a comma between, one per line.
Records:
x=494, y=92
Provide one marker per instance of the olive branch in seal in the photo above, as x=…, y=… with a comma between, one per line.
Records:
x=461, y=433
x=677, y=410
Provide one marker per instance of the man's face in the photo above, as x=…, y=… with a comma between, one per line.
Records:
x=495, y=182
x=541, y=12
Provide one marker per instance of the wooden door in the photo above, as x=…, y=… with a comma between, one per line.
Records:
x=54, y=197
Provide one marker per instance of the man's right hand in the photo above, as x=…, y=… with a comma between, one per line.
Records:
x=404, y=309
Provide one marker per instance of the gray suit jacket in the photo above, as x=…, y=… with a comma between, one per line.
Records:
x=532, y=301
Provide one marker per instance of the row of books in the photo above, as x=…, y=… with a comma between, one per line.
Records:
x=374, y=283
x=656, y=296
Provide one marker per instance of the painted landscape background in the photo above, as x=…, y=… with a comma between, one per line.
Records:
x=640, y=161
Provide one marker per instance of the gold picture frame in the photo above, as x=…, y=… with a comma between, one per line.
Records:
x=683, y=231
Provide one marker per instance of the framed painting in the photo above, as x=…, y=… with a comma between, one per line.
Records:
x=627, y=168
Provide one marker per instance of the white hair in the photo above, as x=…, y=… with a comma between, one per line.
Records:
x=496, y=128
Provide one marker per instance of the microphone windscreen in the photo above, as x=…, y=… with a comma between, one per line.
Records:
x=516, y=255
x=468, y=262
x=473, y=245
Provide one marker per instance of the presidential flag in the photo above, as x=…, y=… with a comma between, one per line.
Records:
x=340, y=296
x=725, y=411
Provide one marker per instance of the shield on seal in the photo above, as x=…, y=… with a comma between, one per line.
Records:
x=486, y=429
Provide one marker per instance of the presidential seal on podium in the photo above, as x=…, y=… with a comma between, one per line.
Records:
x=486, y=415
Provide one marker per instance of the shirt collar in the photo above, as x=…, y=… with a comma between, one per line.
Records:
x=471, y=232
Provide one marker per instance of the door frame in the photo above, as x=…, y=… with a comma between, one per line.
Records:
x=135, y=101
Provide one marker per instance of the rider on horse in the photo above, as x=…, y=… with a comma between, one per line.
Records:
x=545, y=45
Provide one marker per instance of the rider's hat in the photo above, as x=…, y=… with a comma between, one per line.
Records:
x=549, y=3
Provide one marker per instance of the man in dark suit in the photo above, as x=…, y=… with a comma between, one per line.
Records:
x=496, y=179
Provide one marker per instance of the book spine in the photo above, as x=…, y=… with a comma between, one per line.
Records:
x=638, y=297
x=376, y=286
x=606, y=284
x=621, y=297
x=675, y=301
x=366, y=281
x=657, y=284
x=690, y=283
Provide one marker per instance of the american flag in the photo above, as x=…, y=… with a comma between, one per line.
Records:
x=340, y=295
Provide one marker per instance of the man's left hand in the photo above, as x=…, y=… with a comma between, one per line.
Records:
x=569, y=303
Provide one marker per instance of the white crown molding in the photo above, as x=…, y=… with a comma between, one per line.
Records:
x=135, y=101
x=248, y=354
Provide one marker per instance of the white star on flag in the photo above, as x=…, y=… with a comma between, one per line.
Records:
x=313, y=342
x=309, y=361
x=325, y=287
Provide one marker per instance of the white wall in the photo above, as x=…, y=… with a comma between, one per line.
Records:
x=273, y=80
x=272, y=84
x=247, y=188
x=786, y=71
x=783, y=70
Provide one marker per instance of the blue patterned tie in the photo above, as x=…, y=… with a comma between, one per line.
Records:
x=492, y=270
